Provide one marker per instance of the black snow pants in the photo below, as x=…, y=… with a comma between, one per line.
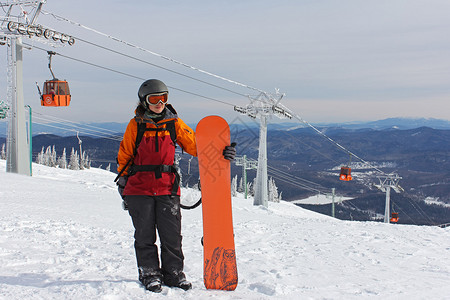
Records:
x=162, y=213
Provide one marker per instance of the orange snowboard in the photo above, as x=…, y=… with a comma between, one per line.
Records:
x=219, y=266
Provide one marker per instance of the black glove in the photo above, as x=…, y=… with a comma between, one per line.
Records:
x=121, y=183
x=229, y=152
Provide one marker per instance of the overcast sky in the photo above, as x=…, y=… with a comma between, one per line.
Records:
x=343, y=61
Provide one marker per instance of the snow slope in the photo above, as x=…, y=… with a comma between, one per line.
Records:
x=63, y=235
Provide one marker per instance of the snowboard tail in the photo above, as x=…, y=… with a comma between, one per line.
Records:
x=219, y=265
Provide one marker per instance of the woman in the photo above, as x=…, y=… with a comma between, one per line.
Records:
x=149, y=185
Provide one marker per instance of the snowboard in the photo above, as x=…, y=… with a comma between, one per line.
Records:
x=219, y=260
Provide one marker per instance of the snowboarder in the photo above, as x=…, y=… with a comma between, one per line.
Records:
x=149, y=185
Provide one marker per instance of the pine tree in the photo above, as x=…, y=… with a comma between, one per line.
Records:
x=62, y=160
x=3, y=153
x=52, y=158
x=273, y=191
x=74, y=163
x=47, y=156
x=81, y=161
x=240, y=188
x=108, y=168
x=234, y=186
x=40, y=157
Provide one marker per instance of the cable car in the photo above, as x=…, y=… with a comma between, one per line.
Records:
x=394, y=217
x=346, y=174
x=55, y=92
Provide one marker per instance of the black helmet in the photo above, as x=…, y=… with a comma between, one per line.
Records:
x=151, y=86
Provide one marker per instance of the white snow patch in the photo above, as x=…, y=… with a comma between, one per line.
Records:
x=63, y=235
x=435, y=201
x=321, y=199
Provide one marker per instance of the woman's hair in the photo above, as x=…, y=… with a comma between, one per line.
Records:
x=140, y=109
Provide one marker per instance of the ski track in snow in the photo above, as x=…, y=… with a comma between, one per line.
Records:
x=63, y=235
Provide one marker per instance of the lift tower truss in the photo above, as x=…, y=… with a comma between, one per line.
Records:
x=15, y=26
x=263, y=107
x=387, y=182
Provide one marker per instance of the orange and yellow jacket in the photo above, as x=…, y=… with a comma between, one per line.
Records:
x=156, y=148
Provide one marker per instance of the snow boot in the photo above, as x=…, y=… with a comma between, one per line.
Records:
x=150, y=279
x=152, y=284
x=177, y=279
x=184, y=285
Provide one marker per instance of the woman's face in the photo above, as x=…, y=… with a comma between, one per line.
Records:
x=158, y=108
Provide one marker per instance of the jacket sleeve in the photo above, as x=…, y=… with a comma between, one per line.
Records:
x=127, y=145
x=186, y=137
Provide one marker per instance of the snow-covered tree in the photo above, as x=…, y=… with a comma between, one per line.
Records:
x=251, y=187
x=74, y=163
x=47, y=156
x=108, y=168
x=62, y=160
x=240, y=188
x=234, y=186
x=40, y=157
x=273, y=191
x=52, y=158
x=3, y=152
x=82, y=158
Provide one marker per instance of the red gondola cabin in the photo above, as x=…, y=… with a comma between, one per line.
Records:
x=55, y=93
x=394, y=217
x=346, y=174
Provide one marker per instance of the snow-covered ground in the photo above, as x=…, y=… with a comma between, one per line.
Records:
x=63, y=235
x=321, y=199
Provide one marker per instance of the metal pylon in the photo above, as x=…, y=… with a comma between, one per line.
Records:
x=262, y=107
x=387, y=182
x=15, y=26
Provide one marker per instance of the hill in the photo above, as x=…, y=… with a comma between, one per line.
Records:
x=63, y=235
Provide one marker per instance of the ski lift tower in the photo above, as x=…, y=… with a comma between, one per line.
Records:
x=387, y=182
x=262, y=107
x=16, y=25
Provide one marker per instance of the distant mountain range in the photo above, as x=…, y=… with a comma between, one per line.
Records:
x=303, y=162
x=112, y=128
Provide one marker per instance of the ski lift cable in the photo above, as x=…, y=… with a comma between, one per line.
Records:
x=72, y=126
x=292, y=181
x=294, y=184
x=78, y=126
x=424, y=214
x=133, y=76
x=297, y=139
x=299, y=118
x=158, y=66
x=53, y=125
x=74, y=130
x=60, y=18
x=299, y=182
x=293, y=178
x=404, y=213
x=296, y=179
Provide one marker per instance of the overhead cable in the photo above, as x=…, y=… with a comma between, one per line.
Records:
x=152, y=52
x=130, y=75
x=60, y=18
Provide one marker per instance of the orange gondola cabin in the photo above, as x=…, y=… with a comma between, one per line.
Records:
x=394, y=217
x=346, y=174
x=55, y=93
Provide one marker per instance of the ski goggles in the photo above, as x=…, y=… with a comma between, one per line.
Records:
x=155, y=99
